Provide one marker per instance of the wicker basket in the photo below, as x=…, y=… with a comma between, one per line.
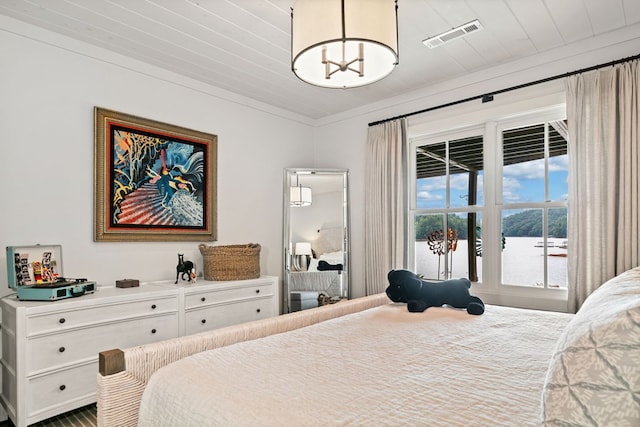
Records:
x=231, y=262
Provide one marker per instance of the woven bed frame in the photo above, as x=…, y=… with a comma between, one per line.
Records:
x=123, y=374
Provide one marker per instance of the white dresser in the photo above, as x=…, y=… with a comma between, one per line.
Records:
x=209, y=306
x=50, y=349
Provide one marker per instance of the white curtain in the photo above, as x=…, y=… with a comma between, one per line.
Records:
x=385, y=207
x=604, y=183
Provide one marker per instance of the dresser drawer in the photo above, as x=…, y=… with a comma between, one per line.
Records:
x=204, y=319
x=224, y=295
x=49, y=351
x=60, y=388
x=66, y=319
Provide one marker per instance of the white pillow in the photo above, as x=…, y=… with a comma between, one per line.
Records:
x=332, y=257
x=313, y=265
x=328, y=240
x=594, y=374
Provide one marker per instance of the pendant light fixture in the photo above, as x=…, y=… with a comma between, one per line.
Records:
x=299, y=196
x=343, y=43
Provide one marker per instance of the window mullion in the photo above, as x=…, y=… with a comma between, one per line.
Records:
x=492, y=198
x=413, y=206
x=445, y=219
x=547, y=196
x=545, y=211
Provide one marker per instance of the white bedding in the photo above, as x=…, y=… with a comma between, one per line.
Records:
x=319, y=281
x=382, y=366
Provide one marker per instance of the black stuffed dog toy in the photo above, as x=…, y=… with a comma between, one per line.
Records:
x=406, y=286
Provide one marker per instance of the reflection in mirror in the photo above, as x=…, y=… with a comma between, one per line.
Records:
x=316, y=237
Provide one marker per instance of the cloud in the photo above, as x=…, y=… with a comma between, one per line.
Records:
x=559, y=164
x=511, y=190
x=525, y=170
x=433, y=189
x=459, y=181
x=429, y=196
x=534, y=169
x=434, y=183
x=522, y=182
x=510, y=184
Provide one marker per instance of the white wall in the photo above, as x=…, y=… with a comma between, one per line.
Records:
x=342, y=145
x=324, y=212
x=49, y=86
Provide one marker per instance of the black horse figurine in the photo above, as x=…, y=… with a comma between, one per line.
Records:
x=184, y=267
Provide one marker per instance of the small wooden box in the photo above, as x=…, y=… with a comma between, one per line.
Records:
x=127, y=283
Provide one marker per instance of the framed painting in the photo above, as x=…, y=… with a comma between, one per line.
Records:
x=153, y=181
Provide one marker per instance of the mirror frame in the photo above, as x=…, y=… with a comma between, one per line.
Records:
x=289, y=175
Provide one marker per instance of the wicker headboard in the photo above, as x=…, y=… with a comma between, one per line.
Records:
x=329, y=239
x=123, y=374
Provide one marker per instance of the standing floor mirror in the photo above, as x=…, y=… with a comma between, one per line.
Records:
x=316, y=238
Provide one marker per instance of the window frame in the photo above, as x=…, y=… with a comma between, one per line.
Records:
x=491, y=289
x=412, y=185
x=538, y=118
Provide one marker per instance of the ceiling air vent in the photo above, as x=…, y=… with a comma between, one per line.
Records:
x=452, y=34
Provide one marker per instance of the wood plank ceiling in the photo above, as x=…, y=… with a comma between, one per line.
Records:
x=243, y=46
x=466, y=154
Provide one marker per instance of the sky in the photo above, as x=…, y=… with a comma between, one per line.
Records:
x=522, y=182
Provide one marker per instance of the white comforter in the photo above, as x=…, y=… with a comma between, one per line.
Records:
x=382, y=366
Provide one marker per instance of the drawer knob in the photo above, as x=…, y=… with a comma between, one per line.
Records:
x=203, y=299
x=62, y=387
x=258, y=311
x=153, y=331
x=61, y=349
x=153, y=307
x=203, y=321
x=62, y=320
x=257, y=291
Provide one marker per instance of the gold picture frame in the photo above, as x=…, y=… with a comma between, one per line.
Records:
x=153, y=182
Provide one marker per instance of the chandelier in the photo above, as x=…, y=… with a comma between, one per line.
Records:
x=299, y=196
x=343, y=43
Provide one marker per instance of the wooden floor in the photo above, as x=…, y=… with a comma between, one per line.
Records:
x=81, y=417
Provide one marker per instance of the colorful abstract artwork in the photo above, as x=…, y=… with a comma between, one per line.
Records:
x=154, y=181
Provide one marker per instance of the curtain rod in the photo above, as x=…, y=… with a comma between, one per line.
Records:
x=489, y=96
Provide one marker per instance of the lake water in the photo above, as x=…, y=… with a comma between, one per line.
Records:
x=522, y=262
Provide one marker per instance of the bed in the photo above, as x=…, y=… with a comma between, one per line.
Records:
x=368, y=361
x=324, y=274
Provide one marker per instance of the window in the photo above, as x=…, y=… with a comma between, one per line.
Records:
x=490, y=203
x=534, y=204
x=448, y=199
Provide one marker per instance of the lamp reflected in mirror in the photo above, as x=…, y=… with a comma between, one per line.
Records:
x=303, y=253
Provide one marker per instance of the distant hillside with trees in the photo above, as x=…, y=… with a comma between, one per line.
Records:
x=527, y=223
x=426, y=224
